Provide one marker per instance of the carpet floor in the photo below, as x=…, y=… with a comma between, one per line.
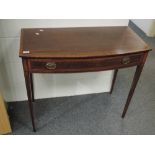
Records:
x=95, y=114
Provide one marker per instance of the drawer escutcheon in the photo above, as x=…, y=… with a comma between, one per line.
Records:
x=126, y=60
x=50, y=65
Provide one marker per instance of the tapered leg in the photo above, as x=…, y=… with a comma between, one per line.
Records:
x=29, y=94
x=113, y=81
x=29, y=88
x=32, y=88
x=134, y=83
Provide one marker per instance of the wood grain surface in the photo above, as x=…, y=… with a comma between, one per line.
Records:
x=79, y=42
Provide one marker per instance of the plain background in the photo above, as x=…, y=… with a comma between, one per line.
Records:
x=147, y=25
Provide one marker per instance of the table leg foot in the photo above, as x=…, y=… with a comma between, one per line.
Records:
x=32, y=115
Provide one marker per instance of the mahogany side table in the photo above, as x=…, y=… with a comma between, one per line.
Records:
x=83, y=49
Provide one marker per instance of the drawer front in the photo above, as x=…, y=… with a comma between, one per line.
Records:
x=82, y=65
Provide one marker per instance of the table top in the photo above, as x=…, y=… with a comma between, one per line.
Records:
x=82, y=42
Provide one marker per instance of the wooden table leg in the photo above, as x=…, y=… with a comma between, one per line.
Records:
x=113, y=80
x=32, y=88
x=29, y=94
x=28, y=81
x=134, y=83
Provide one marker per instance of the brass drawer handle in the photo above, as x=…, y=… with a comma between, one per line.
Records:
x=50, y=65
x=126, y=60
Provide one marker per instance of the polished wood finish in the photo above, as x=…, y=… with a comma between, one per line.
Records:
x=80, y=42
x=71, y=50
x=113, y=80
x=31, y=80
x=28, y=82
x=134, y=83
x=83, y=65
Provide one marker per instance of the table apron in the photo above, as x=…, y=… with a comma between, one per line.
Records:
x=83, y=65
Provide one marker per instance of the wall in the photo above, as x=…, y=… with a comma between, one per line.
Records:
x=12, y=82
x=146, y=25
